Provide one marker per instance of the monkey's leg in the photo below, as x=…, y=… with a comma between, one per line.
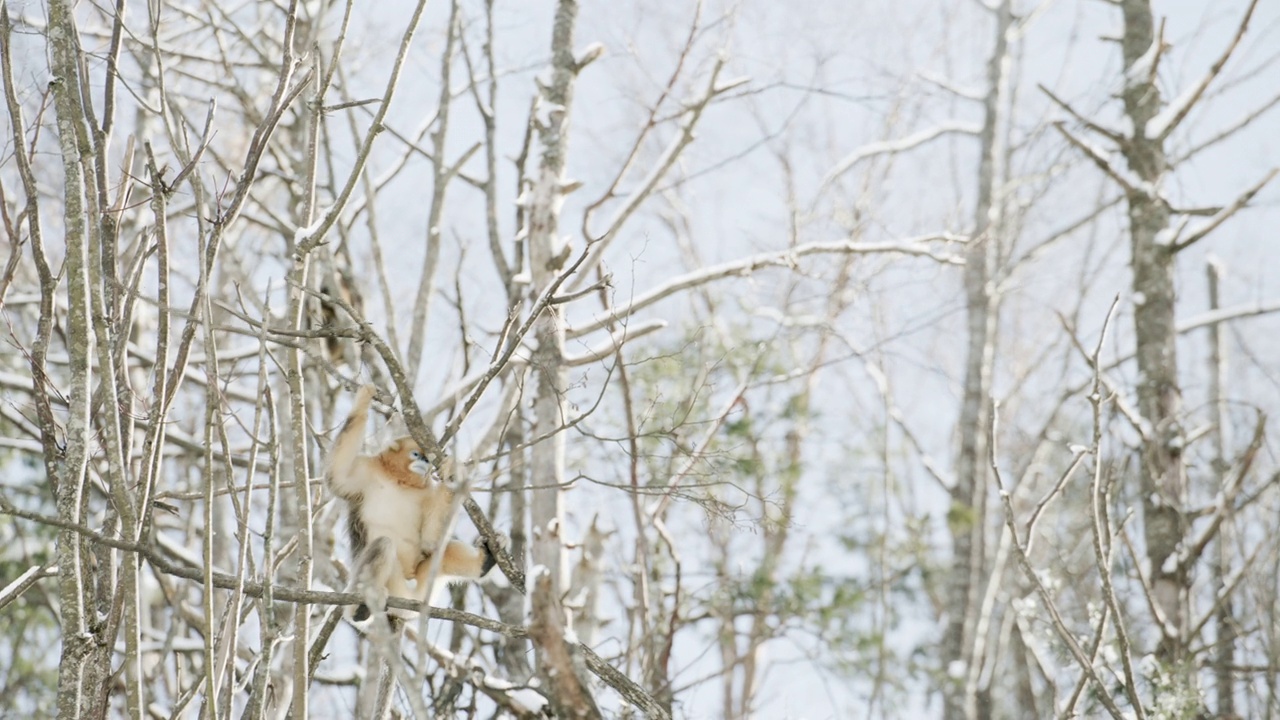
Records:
x=378, y=569
x=422, y=576
x=404, y=565
x=398, y=587
x=465, y=561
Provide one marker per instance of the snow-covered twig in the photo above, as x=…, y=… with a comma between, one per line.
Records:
x=1168, y=119
x=1099, y=157
x=614, y=341
x=889, y=147
x=919, y=246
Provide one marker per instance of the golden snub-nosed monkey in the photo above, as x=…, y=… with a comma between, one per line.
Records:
x=397, y=515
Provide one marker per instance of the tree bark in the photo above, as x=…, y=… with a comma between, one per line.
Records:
x=546, y=261
x=967, y=517
x=1224, y=620
x=561, y=665
x=80, y=669
x=1163, y=477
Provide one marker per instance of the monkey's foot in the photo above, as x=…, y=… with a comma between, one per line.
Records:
x=491, y=552
x=362, y=613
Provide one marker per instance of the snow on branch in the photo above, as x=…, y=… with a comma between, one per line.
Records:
x=29, y=577
x=177, y=567
x=889, y=147
x=615, y=341
x=1100, y=157
x=1213, y=317
x=691, y=115
x=1142, y=70
x=1167, y=119
x=920, y=246
x=522, y=701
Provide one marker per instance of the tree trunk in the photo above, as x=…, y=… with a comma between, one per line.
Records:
x=966, y=519
x=546, y=261
x=1163, y=476
x=1224, y=641
x=80, y=670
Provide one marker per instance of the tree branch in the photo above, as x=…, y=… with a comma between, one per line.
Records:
x=918, y=246
x=1224, y=214
x=1164, y=123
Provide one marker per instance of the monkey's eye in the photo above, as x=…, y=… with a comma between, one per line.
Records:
x=415, y=455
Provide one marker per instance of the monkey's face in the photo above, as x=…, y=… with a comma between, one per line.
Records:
x=403, y=457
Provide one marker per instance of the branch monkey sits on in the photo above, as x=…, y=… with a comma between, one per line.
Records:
x=398, y=515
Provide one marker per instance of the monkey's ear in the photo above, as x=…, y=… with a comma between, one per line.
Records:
x=394, y=446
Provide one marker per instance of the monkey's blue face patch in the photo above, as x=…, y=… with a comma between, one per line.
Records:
x=418, y=464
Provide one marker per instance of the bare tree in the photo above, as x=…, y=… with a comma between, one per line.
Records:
x=682, y=317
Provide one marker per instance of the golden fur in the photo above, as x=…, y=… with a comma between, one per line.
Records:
x=398, y=514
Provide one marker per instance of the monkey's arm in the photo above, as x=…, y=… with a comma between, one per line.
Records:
x=343, y=456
